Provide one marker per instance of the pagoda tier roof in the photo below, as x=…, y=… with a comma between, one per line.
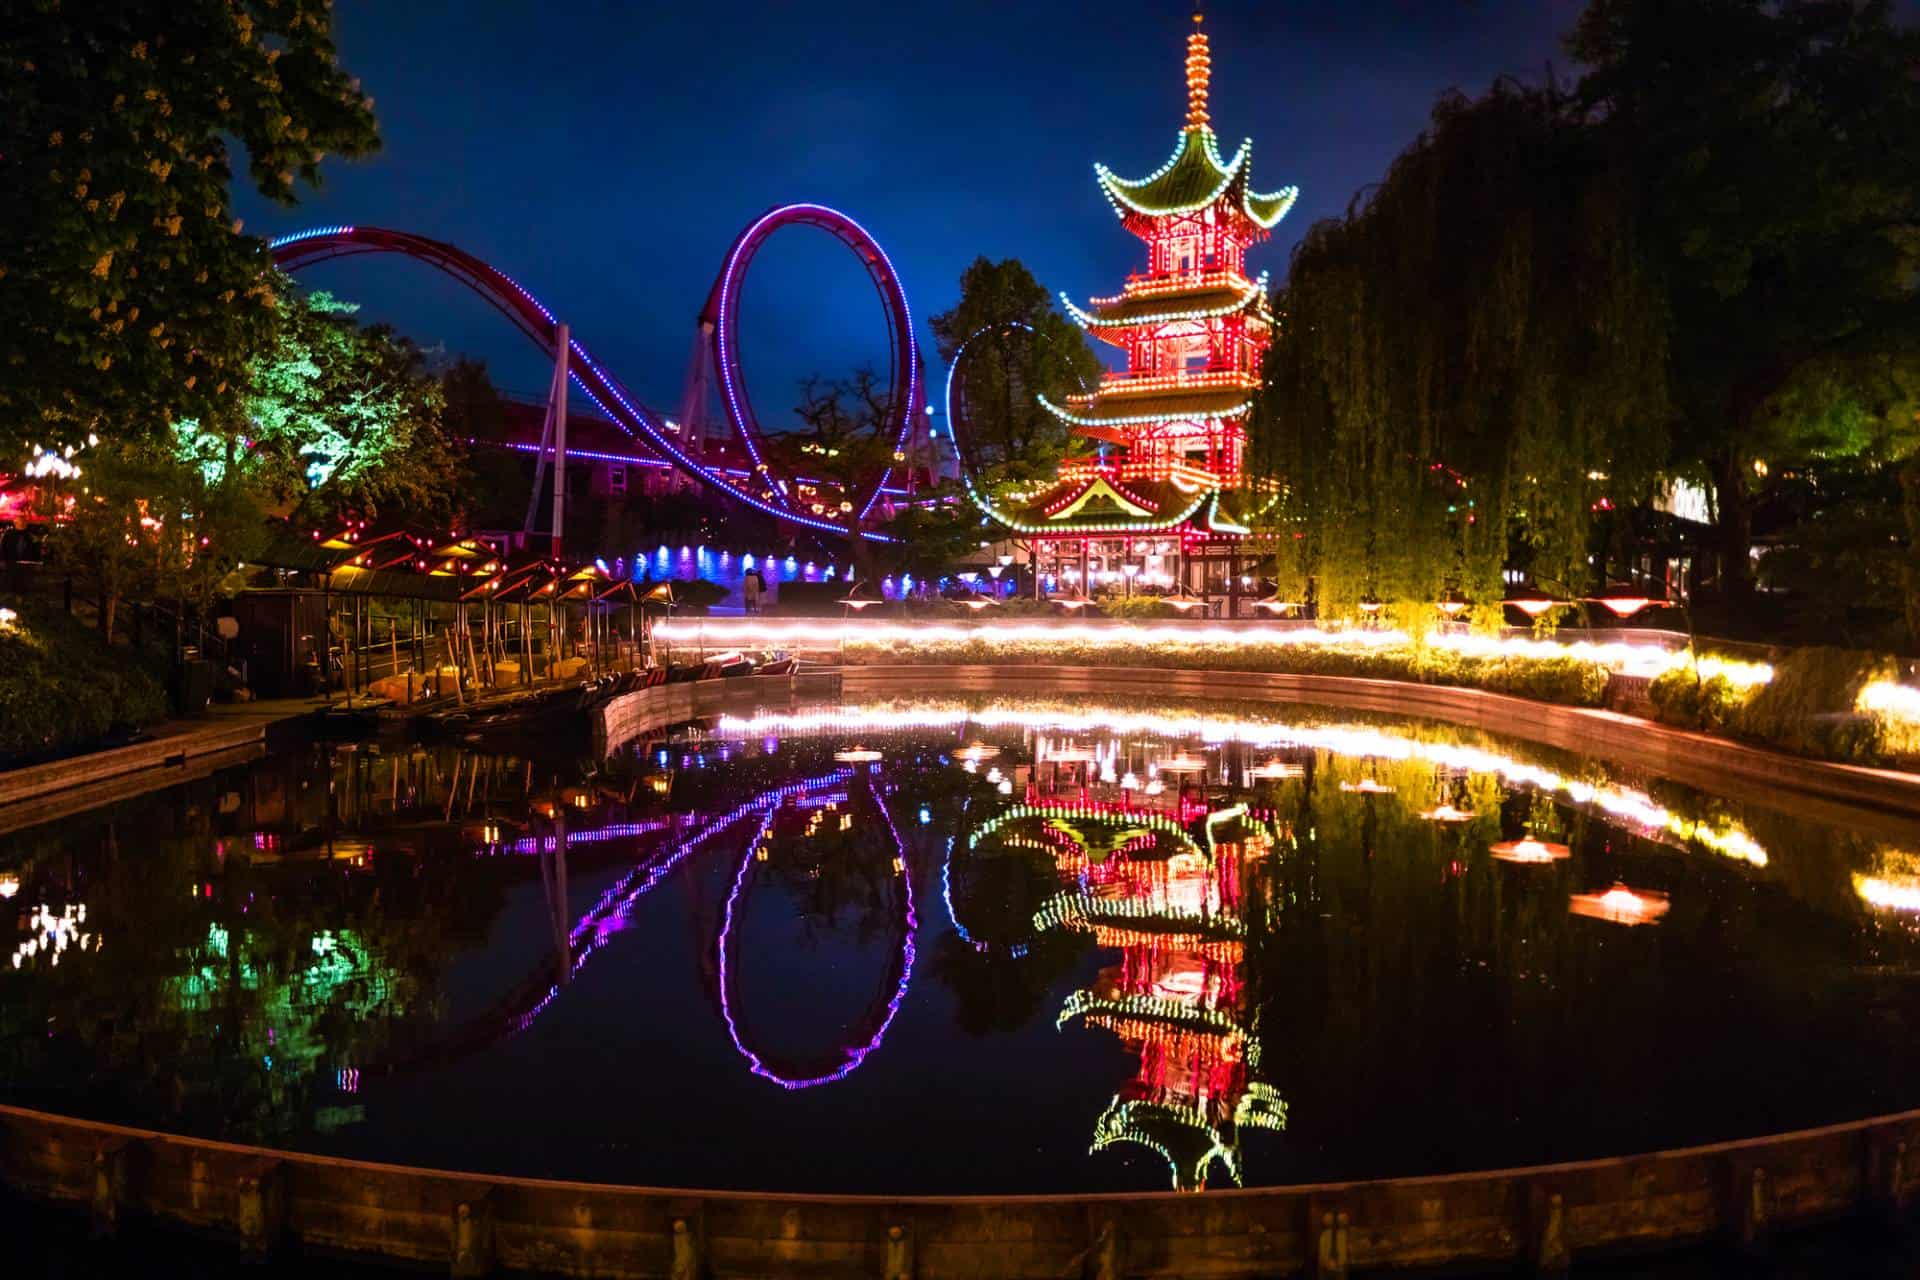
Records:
x=1206, y=301
x=1174, y=404
x=1195, y=177
x=1111, y=501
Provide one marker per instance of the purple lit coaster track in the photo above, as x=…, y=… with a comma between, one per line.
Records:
x=767, y=489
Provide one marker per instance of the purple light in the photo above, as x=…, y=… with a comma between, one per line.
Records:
x=610, y=914
x=854, y=1057
x=491, y=281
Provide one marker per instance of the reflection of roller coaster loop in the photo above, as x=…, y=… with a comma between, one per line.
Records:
x=910, y=922
x=723, y=312
x=957, y=430
x=609, y=915
x=607, y=392
x=1012, y=950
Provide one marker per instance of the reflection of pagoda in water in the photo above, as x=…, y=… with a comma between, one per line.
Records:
x=1175, y=909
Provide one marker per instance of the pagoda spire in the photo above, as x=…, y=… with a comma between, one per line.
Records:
x=1199, y=71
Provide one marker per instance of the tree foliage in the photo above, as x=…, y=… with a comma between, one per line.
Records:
x=1459, y=358
x=129, y=297
x=1021, y=349
x=348, y=416
x=1776, y=191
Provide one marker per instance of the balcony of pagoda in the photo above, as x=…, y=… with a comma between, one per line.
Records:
x=1157, y=284
x=1122, y=383
x=1183, y=475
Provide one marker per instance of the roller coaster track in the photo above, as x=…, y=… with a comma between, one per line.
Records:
x=719, y=322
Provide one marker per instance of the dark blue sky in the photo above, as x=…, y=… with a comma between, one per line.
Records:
x=605, y=154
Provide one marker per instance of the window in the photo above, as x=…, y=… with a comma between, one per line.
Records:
x=616, y=477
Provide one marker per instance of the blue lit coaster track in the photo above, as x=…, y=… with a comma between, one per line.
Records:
x=767, y=489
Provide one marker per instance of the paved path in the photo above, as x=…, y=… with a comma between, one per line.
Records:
x=172, y=751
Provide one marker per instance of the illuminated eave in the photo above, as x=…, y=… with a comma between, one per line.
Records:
x=1263, y=209
x=1252, y=296
x=1073, y=419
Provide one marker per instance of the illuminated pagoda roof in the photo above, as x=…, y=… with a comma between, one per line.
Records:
x=1149, y=303
x=1107, y=501
x=1195, y=178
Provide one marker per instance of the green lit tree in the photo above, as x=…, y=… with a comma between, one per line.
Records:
x=339, y=416
x=129, y=296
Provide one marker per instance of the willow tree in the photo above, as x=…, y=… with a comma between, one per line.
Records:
x=1467, y=363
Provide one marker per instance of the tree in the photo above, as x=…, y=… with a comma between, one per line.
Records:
x=343, y=417
x=1021, y=348
x=843, y=440
x=1460, y=360
x=129, y=297
x=1776, y=191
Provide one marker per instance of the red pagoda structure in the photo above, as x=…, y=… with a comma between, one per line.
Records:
x=1165, y=501
x=1174, y=908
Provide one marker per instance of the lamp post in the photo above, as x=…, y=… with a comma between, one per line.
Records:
x=1128, y=570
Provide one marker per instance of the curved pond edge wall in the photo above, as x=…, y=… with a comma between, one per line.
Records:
x=1541, y=1217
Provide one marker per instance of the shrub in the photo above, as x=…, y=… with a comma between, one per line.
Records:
x=1809, y=706
x=62, y=687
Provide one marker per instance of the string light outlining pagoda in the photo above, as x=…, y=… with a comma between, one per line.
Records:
x=1166, y=490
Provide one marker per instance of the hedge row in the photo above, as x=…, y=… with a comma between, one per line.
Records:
x=62, y=687
x=1569, y=681
x=1809, y=707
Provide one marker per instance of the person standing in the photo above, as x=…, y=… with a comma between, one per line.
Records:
x=750, y=588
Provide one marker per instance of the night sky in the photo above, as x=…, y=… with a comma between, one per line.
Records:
x=606, y=154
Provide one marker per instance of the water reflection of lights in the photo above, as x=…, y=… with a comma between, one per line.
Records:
x=1631, y=807
x=1447, y=813
x=1528, y=850
x=1276, y=769
x=51, y=935
x=1620, y=905
x=1889, y=892
x=1368, y=787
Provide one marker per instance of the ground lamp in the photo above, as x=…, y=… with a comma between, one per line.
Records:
x=1624, y=605
x=1275, y=605
x=1528, y=850
x=1620, y=905
x=858, y=598
x=1446, y=812
x=1533, y=604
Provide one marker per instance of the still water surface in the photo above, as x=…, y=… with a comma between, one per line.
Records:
x=952, y=947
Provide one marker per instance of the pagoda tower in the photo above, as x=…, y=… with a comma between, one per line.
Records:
x=1165, y=491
